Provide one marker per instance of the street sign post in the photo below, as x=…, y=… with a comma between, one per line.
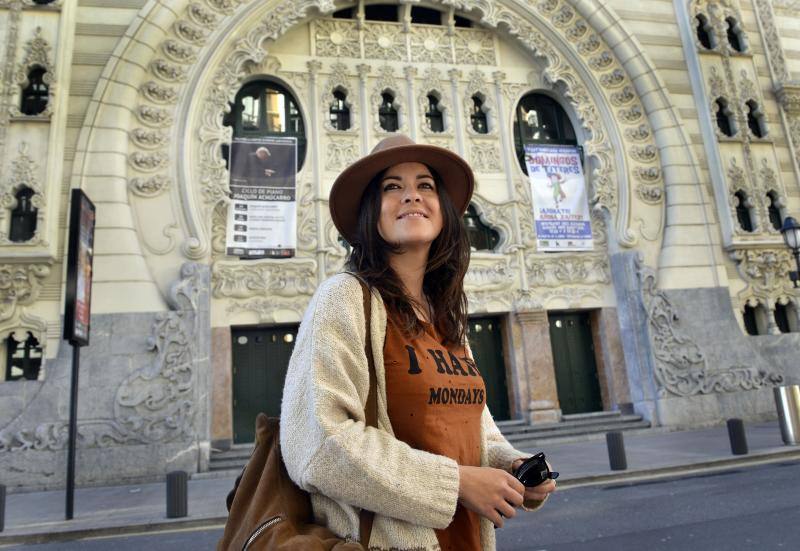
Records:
x=77, y=312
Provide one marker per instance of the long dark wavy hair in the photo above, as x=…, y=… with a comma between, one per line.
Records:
x=443, y=283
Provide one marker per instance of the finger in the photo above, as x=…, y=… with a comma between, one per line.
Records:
x=533, y=495
x=506, y=509
x=514, y=498
x=515, y=484
x=495, y=518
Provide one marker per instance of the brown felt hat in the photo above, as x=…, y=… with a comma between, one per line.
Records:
x=345, y=199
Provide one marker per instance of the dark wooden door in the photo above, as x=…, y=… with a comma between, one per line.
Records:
x=260, y=360
x=486, y=343
x=573, y=355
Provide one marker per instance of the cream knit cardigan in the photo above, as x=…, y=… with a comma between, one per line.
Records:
x=345, y=465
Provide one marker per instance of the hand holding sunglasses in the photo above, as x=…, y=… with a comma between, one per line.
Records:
x=533, y=471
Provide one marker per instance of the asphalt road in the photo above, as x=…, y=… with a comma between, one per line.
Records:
x=746, y=509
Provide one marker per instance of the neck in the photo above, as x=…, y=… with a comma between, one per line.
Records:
x=410, y=269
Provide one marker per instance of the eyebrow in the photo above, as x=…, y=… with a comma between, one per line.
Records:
x=393, y=177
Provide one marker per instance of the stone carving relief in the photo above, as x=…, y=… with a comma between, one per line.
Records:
x=150, y=187
x=431, y=45
x=488, y=281
x=337, y=38
x=154, y=404
x=766, y=272
x=484, y=156
x=772, y=41
x=500, y=217
x=37, y=55
x=567, y=269
x=23, y=174
x=341, y=152
x=385, y=41
x=20, y=285
x=680, y=364
x=264, y=278
x=474, y=47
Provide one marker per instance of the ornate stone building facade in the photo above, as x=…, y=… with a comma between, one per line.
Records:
x=687, y=114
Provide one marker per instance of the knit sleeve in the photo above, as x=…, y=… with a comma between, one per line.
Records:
x=326, y=445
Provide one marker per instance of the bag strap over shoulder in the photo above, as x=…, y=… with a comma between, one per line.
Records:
x=371, y=409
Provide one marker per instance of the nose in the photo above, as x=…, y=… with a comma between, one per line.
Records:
x=412, y=195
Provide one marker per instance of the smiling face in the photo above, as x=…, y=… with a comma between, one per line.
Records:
x=410, y=215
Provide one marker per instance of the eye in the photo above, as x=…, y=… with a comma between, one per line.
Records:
x=390, y=186
x=427, y=185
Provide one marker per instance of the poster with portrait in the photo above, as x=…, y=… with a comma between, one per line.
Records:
x=560, y=205
x=77, y=308
x=262, y=216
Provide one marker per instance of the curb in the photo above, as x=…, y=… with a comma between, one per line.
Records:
x=628, y=477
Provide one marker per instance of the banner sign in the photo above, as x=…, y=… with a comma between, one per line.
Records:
x=560, y=206
x=77, y=307
x=262, y=217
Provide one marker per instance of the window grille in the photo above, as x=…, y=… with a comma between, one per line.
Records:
x=265, y=108
x=481, y=236
x=23, y=358
x=725, y=118
x=434, y=115
x=37, y=94
x=774, y=212
x=23, y=217
x=743, y=211
x=340, y=112
x=705, y=33
x=387, y=114
x=540, y=119
x=478, y=116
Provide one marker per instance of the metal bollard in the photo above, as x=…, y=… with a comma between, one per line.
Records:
x=616, y=451
x=2, y=507
x=737, y=437
x=177, y=494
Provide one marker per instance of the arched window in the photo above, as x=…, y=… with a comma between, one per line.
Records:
x=265, y=108
x=481, y=236
x=23, y=217
x=735, y=35
x=540, y=119
x=774, y=210
x=387, y=113
x=743, y=211
x=23, y=358
x=755, y=119
x=478, y=116
x=705, y=33
x=755, y=320
x=36, y=95
x=340, y=112
x=434, y=114
x=425, y=16
x=725, y=121
x=786, y=317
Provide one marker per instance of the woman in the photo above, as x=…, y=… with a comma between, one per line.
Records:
x=436, y=471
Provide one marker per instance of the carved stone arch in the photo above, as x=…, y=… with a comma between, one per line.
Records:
x=37, y=56
x=433, y=83
x=477, y=86
x=23, y=175
x=387, y=81
x=603, y=82
x=339, y=79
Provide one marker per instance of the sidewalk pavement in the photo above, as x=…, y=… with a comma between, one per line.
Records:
x=38, y=517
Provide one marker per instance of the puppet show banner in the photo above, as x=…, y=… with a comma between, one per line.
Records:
x=558, y=190
x=262, y=216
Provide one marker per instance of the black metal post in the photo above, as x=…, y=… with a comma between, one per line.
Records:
x=177, y=494
x=616, y=451
x=737, y=437
x=794, y=276
x=73, y=430
x=2, y=507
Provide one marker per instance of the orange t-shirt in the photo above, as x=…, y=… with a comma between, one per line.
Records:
x=435, y=396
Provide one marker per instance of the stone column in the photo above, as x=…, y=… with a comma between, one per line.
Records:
x=410, y=73
x=457, y=116
x=611, y=361
x=221, y=388
x=538, y=354
x=366, y=109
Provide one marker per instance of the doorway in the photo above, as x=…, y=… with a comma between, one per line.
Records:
x=260, y=361
x=485, y=340
x=573, y=355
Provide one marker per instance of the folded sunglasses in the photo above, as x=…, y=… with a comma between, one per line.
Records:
x=534, y=471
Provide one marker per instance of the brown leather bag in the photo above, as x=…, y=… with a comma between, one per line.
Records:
x=267, y=510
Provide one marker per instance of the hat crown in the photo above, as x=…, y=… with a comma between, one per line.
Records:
x=393, y=141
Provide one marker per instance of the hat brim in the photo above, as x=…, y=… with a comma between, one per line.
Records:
x=457, y=178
